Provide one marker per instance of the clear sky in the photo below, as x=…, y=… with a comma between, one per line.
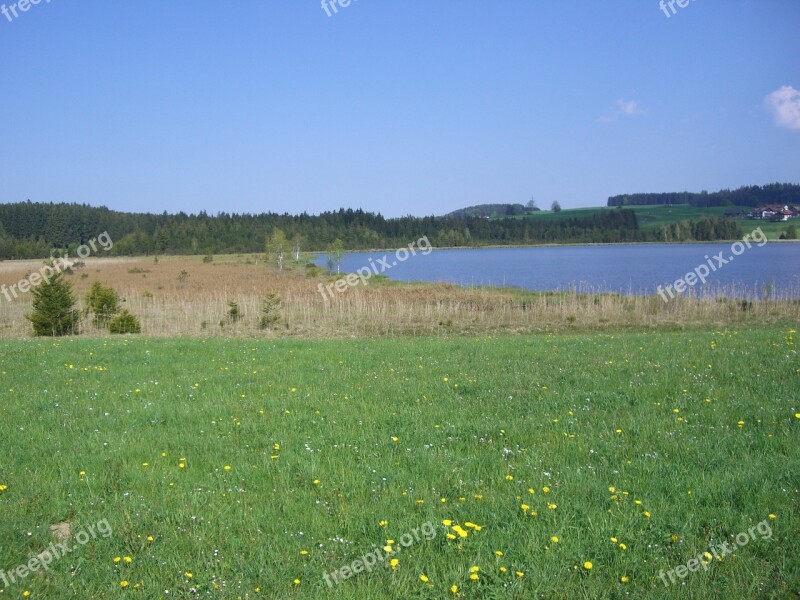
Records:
x=400, y=107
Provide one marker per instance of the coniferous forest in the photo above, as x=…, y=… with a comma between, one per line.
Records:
x=32, y=230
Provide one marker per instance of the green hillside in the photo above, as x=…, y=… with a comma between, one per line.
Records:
x=653, y=217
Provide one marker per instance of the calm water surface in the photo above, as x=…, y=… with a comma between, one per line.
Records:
x=773, y=268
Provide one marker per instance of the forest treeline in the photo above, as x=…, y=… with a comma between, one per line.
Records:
x=754, y=195
x=34, y=230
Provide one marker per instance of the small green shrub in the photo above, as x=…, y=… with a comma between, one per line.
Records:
x=125, y=322
x=234, y=314
x=269, y=312
x=102, y=302
x=313, y=270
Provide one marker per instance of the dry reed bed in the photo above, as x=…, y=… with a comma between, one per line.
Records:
x=197, y=304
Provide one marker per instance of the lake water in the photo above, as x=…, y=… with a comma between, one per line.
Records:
x=629, y=269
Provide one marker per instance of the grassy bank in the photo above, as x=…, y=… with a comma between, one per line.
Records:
x=244, y=469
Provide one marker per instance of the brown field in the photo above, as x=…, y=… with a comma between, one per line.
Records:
x=198, y=305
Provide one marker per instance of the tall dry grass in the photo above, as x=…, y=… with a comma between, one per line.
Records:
x=197, y=304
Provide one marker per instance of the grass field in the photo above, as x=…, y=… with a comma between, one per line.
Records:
x=567, y=466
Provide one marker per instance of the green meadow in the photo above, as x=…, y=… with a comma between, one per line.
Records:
x=654, y=217
x=553, y=466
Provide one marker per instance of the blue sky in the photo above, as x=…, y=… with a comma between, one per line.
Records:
x=406, y=107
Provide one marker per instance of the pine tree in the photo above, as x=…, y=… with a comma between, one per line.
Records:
x=54, y=312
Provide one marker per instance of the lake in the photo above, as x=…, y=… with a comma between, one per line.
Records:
x=773, y=268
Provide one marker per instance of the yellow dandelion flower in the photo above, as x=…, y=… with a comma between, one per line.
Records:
x=128, y=560
x=613, y=540
x=296, y=582
x=454, y=589
x=740, y=424
x=383, y=523
x=315, y=482
x=424, y=578
x=503, y=569
x=707, y=556
x=3, y=488
x=150, y=538
x=588, y=565
x=117, y=559
x=303, y=552
x=25, y=594
x=612, y=489
x=395, y=438
x=552, y=506
x=519, y=573
x=623, y=547
x=509, y=478
x=450, y=536
x=393, y=563
x=474, y=577
x=646, y=514
x=227, y=467
x=624, y=579
x=524, y=507
x=546, y=490
x=554, y=539
x=447, y=522
x=498, y=552
x=188, y=575
x=772, y=517
x=474, y=569
x=123, y=584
